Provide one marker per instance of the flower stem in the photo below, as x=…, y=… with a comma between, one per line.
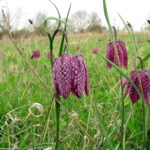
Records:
x=115, y=33
x=144, y=125
x=62, y=40
x=107, y=18
x=122, y=116
x=57, y=123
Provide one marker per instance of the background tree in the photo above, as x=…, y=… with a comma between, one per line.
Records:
x=95, y=23
x=71, y=26
x=10, y=21
x=38, y=23
x=80, y=21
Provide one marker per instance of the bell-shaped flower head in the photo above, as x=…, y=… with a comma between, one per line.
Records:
x=117, y=53
x=142, y=80
x=70, y=75
x=35, y=54
x=95, y=50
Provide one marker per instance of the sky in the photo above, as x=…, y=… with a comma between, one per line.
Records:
x=134, y=11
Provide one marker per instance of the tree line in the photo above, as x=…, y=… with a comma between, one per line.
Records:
x=79, y=22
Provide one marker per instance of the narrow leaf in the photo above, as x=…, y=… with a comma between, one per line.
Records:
x=122, y=73
x=107, y=17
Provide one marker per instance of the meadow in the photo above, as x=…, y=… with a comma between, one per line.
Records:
x=25, y=120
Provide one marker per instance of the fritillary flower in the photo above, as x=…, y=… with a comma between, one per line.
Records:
x=142, y=80
x=49, y=55
x=5, y=52
x=77, y=47
x=148, y=41
x=35, y=54
x=100, y=40
x=95, y=50
x=70, y=75
x=1, y=56
x=140, y=41
x=117, y=53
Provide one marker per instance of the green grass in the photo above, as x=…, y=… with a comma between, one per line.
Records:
x=99, y=113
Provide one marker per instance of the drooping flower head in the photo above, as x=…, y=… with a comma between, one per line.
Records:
x=100, y=39
x=77, y=47
x=95, y=50
x=35, y=54
x=142, y=81
x=70, y=75
x=1, y=56
x=49, y=55
x=148, y=41
x=140, y=41
x=117, y=53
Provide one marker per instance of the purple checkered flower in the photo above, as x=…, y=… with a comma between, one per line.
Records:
x=148, y=41
x=35, y=54
x=70, y=75
x=101, y=39
x=95, y=50
x=117, y=53
x=77, y=47
x=140, y=41
x=1, y=56
x=142, y=80
x=49, y=55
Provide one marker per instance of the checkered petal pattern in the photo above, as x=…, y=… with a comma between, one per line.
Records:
x=70, y=75
x=116, y=52
x=142, y=80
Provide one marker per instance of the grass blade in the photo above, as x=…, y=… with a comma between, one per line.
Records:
x=107, y=17
x=122, y=73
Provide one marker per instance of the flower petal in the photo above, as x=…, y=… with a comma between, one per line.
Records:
x=145, y=80
x=78, y=75
x=130, y=89
x=65, y=75
x=110, y=54
x=118, y=54
x=124, y=50
x=56, y=75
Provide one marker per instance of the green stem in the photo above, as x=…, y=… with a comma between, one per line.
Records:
x=130, y=32
x=63, y=37
x=59, y=24
x=143, y=108
x=122, y=112
x=144, y=125
x=107, y=18
x=57, y=104
x=51, y=48
x=115, y=33
x=57, y=123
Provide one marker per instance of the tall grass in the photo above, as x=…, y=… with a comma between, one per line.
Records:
x=97, y=113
